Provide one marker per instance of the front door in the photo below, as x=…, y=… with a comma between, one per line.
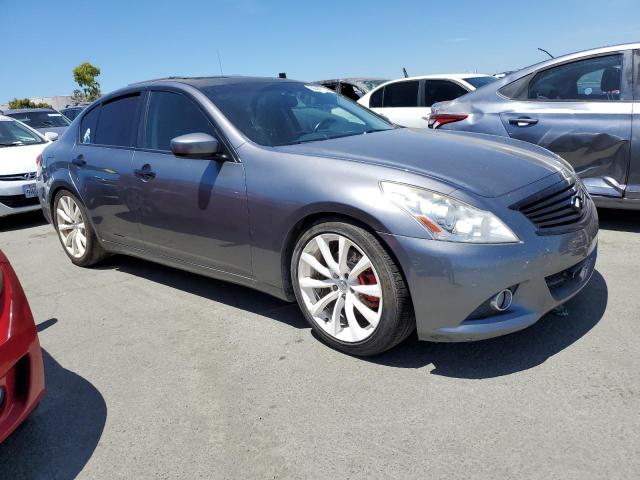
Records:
x=400, y=104
x=582, y=111
x=194, y=210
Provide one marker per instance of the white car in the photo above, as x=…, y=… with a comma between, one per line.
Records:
x=407, y=101
x=20, y=146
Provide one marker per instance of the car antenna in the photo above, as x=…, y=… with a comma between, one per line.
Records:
x=543, y=50
x=220, y=63
x=404, y=70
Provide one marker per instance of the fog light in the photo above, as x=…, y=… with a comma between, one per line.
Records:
x=502, y=301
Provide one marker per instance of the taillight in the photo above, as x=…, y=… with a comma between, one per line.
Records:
x=438, y=119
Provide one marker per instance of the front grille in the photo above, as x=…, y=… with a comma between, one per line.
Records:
x=17, y=201
x=556, y=209
x=18, y=177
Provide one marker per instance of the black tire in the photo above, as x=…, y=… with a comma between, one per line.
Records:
x=397, y=320
x=94, y=252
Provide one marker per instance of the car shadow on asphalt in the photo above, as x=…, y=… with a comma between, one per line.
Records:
x=512, y=353
x=230, y=294
x=619, y=220
x=22, y=221
x=59, y=437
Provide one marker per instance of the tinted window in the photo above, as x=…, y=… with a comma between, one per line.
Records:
x=118, y=121
x=41, y=119
x=478, y=82
x=401, y=94
x=441, y=91
x=88, y=125
x=171, y=115
x=375, y=101
x=591, y=79
x=286, y=112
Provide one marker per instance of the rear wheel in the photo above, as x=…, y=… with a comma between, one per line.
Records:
x=74, y=231
x=350, y=290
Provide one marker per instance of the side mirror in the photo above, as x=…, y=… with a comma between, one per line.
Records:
x=195, y=144
x=51, y=136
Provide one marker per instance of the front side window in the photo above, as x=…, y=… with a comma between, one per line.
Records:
x=441, y=91
x=41, y=119
x=401, y=94
x=584, y=80
x=375, y=101
x=285, y=113
x=118, y=121
x=88, y=125
x=12, y=134
x=171, y=115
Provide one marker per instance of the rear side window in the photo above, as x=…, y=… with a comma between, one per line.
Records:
x=171, y=115
x=590, y=79
x=401, y=94
x=118, y=121
x=441, y=91
x=375, y=101
x=88, y=125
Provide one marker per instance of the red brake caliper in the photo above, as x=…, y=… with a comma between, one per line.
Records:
x=368, y=278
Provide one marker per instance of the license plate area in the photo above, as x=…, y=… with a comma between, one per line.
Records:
x=30, y=190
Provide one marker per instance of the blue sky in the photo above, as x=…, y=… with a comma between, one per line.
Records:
x=139, y=39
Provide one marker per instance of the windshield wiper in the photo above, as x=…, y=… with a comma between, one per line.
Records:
x=15, y=144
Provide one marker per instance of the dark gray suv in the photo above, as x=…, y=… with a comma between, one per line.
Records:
x=299, y=192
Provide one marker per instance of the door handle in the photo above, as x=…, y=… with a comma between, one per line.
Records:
x=523, y=121
x=79, y=161
x=145, y=173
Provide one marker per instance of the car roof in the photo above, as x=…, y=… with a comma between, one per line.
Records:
x=449, y=76
x=27, y=110
x=201, y=82
x=349, y=79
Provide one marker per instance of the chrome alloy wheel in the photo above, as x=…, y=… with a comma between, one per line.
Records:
x=71, y=226
x=340, y=287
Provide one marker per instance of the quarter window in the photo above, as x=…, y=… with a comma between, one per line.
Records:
x=401, y=94
x=117, y=122
x=88, y=125
x=171, y=115
x=591, y=79
x=441, y=91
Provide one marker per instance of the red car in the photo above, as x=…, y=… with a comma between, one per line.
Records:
x=21, y=368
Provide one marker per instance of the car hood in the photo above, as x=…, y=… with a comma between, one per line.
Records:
x=58, y=130
x=485, y=165
x=21, y=159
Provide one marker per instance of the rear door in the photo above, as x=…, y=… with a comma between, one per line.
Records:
x=582, y=111
x=400, y=103
x=100, y=164
x=191, y=209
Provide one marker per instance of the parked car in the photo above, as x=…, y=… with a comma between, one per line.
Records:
x=73, y=111
x=581, y=106
x=21, y=368
x=407, y=101
x=299, y=192
x=20, y=147
x=353, y=88
x=41, y=119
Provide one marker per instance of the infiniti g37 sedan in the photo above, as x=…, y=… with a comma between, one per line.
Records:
x=582, y=106
x=294, y=190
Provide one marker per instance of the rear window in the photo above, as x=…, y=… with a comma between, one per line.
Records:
x=478, y=82
x=117, y=122
x=401, y=94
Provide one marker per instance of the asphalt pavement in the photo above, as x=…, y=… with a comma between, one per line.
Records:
x=156, y=373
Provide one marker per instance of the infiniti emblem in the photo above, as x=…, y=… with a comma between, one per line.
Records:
x=576, y=203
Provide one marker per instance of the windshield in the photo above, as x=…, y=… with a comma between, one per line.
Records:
x=369, y=85
x=284, y=113
x=12, y=134
x=41, y=119
x=478, y=82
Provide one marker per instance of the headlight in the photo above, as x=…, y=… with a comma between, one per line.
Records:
x=446, y=218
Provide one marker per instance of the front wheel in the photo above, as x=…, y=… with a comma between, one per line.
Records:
x=350, y=290
x=74, y=230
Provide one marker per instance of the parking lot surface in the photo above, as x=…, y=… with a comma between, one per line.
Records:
x=156, y=373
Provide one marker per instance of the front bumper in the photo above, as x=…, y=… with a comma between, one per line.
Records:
x=449, y=281
x=18, y=202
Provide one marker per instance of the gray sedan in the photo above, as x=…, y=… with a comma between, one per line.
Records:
x=296, y=191
x=582, y=106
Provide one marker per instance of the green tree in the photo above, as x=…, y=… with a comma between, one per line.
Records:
x=85, y=76
x=26, y=103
